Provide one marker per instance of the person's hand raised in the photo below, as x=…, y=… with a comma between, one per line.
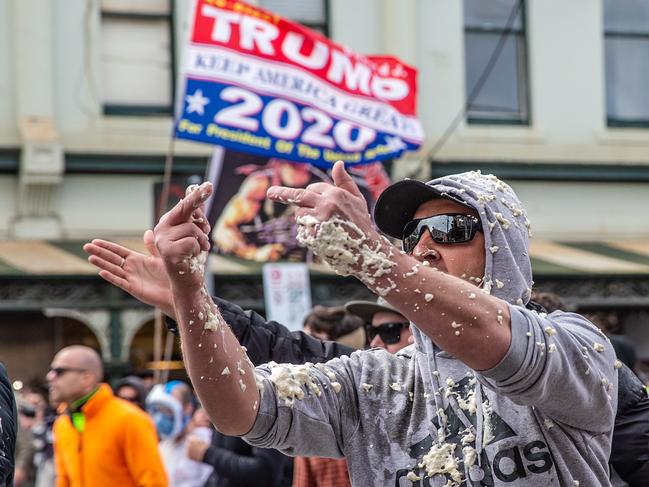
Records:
x=323, y=200
x=333, y=221
x=142, y=276
x=180, y=238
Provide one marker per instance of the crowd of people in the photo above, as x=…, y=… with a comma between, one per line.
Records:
x=467, y=378
x=74, y=430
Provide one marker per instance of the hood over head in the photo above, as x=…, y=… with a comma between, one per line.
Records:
x=166, y=412
x=508, y=271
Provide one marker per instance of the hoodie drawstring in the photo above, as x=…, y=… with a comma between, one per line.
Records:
x=452, y=401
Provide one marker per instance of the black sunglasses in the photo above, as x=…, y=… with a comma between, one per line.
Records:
x=390, y=333
x=451, y=228
x=59, y=371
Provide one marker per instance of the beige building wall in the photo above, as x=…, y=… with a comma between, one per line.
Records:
x=51, y=84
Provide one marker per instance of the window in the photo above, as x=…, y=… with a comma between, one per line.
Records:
x=501, y=97
x=312, y=13
x=137, y=57
x=626, y=51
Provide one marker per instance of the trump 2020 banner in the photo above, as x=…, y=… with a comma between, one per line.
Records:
x=256, y=82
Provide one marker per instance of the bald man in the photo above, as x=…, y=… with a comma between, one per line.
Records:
x=101, y=440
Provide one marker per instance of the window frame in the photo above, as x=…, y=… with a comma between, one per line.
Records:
x=615, y=122
x=112, y=109
x=327, y=19
x=523, y=78
x=326, y=30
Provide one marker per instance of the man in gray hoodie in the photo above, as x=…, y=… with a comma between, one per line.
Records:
x=490, y=394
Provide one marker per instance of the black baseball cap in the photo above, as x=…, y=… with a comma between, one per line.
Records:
x=399, y=202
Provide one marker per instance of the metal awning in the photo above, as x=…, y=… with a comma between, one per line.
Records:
x=66, y=258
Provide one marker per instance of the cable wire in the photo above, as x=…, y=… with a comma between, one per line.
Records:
x=482, y=79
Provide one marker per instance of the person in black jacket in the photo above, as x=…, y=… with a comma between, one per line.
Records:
x=236, y=463
x=8, y=427
x=145, y=278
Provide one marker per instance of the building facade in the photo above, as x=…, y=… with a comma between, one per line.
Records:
x=548, y=95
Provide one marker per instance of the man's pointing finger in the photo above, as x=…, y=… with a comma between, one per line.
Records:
x=298, y=196
x=183, y=210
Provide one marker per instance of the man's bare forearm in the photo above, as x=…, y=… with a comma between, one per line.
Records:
x=218, y=366
x=457, y=315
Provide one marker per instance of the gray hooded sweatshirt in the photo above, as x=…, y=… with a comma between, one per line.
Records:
x=543, y=416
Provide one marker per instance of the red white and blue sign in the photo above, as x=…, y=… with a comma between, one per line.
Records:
x=255, y=82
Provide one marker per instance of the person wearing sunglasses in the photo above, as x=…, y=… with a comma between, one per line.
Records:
x=495, y=390
x=385, y=327
x=100, y=440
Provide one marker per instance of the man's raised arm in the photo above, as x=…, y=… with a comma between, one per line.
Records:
x=220, y=371
x=333, y=221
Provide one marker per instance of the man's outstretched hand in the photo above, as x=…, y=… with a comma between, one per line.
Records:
x=142, y=276
x=323, y=200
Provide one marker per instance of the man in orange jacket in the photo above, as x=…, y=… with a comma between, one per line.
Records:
x=100, y=440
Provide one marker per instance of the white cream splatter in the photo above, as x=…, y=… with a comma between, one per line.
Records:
x=413, y=477
x=486, y=287
x=240, y=369
x=440, y=460
x=468, y=403
x=412, y=272
x=346, y=249
x=196, y=263
x=469, y=454
x=289, y=380
x=502, y=220
x=468, y=437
